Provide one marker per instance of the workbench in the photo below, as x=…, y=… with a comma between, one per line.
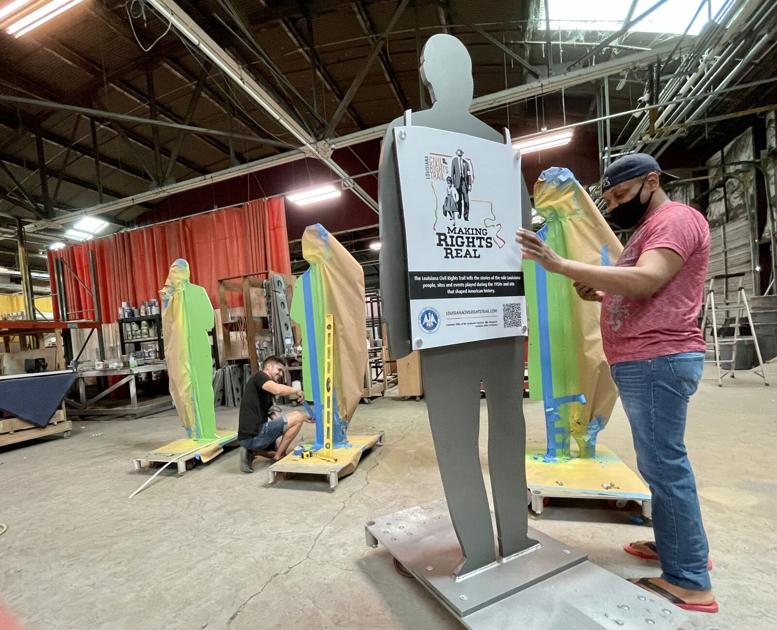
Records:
x=87, y=407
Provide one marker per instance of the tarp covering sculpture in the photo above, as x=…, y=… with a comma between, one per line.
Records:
x=567, y=366
x=187, y=316
x=334, y=284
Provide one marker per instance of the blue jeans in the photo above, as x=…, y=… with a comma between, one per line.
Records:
x=268, y=435
x=655, y=395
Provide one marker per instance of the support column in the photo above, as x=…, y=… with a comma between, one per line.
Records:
x=24, y=269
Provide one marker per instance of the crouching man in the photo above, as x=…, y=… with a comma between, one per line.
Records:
x=262, y=427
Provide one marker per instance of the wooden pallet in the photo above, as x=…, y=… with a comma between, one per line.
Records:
x=347, y=461
x=602, y=477
x=183, y=453
x=14, y=430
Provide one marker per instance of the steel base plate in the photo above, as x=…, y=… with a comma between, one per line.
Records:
x=548, y=586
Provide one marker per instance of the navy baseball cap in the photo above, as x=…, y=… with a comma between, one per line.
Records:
x=630, y=166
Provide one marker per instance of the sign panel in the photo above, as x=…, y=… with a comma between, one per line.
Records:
x=461, y=201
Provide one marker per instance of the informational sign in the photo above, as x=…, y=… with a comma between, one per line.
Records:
x=461, y=201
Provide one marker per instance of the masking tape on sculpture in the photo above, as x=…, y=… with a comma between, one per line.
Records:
x=565, y=346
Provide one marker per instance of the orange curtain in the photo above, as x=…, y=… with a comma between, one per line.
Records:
x=132, y=266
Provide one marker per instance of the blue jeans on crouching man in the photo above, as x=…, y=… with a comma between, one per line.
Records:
x=655, y=395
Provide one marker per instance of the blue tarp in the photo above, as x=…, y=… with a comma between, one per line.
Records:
x=35, y=398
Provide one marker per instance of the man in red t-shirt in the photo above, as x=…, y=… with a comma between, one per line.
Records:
x=651, y=302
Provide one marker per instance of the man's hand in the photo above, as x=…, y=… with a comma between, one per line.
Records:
x=534, y=248
x=587, y=293
x=300, y=396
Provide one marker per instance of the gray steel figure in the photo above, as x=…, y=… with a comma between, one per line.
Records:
x=452, y=374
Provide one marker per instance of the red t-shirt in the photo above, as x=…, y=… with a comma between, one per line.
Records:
x=666, y=323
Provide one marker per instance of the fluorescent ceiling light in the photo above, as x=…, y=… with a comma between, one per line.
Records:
x=78, y=235
x=92, y=225
x=543, y=141
x=39, y=16
x=314, y=195
x=57, y=246
x=13, y=6
x=375, y=246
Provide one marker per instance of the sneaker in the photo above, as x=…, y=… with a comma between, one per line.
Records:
x=246, y=460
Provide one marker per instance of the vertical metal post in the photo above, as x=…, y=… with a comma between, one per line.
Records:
x=24, y=269
x=96, y=305
x=548, y=45
x=59, y=281
x=608, y=136
x=599, y=131
x=752, y=225
x=96, y=156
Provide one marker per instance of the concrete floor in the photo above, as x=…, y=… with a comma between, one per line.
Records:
x=217, y=549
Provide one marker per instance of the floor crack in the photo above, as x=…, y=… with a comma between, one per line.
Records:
x=320, y=533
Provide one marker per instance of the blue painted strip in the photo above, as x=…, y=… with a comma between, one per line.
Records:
x=557, y=436
x=605, y=255
x=310, y=341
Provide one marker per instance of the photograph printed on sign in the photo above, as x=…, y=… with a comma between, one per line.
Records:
x=461, y=205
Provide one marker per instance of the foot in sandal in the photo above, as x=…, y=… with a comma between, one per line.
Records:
x=696, y=601
x=646, y=549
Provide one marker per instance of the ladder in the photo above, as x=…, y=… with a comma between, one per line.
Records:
x=740, y=308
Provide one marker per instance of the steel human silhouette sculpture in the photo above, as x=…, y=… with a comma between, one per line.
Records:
x=452, y=374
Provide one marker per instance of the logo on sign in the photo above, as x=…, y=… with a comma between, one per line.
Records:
x=429, y=319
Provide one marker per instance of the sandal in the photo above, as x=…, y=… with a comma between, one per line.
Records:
x=646, y=584
x=639, y=553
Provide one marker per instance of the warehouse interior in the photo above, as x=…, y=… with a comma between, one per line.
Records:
x=137, y=133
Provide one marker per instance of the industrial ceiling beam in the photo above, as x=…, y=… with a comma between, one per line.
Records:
x=307, y=50
x=33, y=166
x=243, y=78
x=444, y=15
x=508, y=51
x=623, y=30
x=369, y=29
x=482, y=103
x=289, y=95
x=364, y=70
x=31, y=204
x=161, y=54
x=43, y=175
x=30, y=126
x=190, y=109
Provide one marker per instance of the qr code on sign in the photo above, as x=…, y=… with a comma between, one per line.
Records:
x=512, y=316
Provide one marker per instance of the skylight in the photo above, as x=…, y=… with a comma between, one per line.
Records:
x=609, y=15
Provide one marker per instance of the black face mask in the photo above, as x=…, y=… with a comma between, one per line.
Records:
x=627, y=215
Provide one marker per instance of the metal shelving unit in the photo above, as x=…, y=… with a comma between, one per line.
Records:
x=134, y=342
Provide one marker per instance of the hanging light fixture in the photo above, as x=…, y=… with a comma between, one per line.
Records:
x=543, y=141
x=25, y=15
x=310, y=196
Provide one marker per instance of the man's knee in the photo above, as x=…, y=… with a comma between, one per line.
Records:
x=295, y=418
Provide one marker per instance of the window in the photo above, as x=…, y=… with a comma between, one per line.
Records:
x=609, y=15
